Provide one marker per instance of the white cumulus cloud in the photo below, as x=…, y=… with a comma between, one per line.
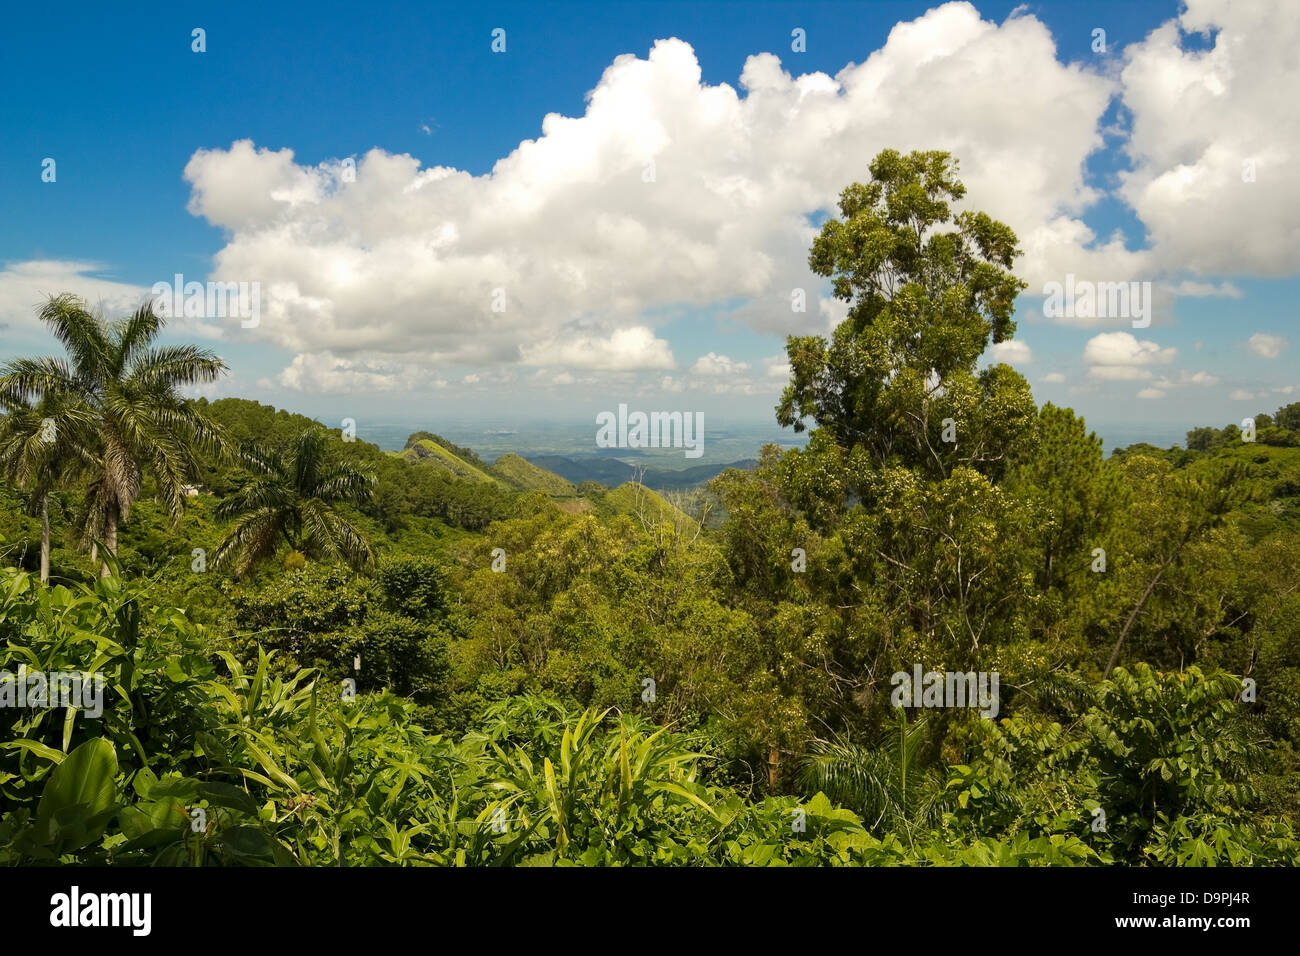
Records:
x=715, y=365
x=1119, y=356
x=1013, y=352
x=569, y=242
x=1213, y=153
x=1266, y=346
x=622, y=350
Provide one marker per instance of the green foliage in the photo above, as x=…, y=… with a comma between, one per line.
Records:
x=292, y=500
x=648, y=507
x=415, y=587
x=550, y=675
x=526, y=476
x=116, y=413
x=326, y=619
x=889, y=784
x=419, y=438
x=437, y=454
x=923, y=305
x=1152, y=763
x=201, y=765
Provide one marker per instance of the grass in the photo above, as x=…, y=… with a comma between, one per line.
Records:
x=430, y=453
x=526, y=476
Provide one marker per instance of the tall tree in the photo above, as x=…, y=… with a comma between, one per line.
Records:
x=40, y=447
x=916, y=542
x=924, y=303
x=291, y=499
x=1075, y=496
x=128, y=388
x=1173, y=512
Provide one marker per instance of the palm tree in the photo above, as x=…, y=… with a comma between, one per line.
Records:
x=127, y=390
x=40, y=447
x=887, y=784
x=292, y=499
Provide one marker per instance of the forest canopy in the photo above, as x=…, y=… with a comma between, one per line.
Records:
x=317, y=652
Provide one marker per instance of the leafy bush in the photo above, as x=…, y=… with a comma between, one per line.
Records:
x=197, y=760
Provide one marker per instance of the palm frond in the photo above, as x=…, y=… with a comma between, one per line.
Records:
x=133, y=334
x=174, y=366
x=300, y=485
x=886, y=784
x=343, y=482
x=253, y=538
x=81, y=333
x=31, y=380
x=329, y=533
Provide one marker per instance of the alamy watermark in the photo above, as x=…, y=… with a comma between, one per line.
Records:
x=946, y=689
x=1081, y=299
x=209, y=300
x=53, y=689
x=75, y=908
x=653, y=430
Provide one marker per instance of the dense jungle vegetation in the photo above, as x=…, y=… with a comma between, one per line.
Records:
x=319, y=653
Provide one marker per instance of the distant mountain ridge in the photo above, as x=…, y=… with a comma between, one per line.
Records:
x=557, y=475
x=613, y=487
x=612, y=472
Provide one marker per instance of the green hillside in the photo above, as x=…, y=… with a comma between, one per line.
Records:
x=524, y=475
x=429, y=453
x=635, y=499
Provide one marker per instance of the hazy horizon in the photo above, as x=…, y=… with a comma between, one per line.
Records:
x=576, y=436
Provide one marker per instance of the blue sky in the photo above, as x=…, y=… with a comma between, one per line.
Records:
x=1118, y=165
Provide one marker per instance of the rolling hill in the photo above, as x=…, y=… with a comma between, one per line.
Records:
x=524, y=475
x=632, y=498
x=428, y=453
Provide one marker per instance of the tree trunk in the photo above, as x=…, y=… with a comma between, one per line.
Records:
x=1114, y=654
x=45, y=539
x=773, y=768
x=110, y=540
